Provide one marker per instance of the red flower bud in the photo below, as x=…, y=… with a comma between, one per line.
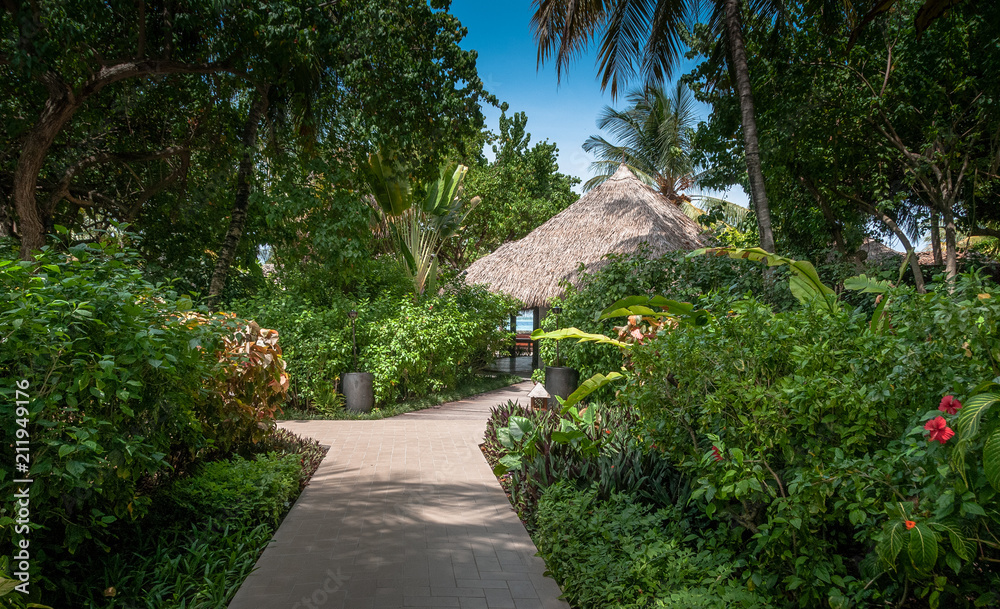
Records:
x=717, y=454
x=909, y=524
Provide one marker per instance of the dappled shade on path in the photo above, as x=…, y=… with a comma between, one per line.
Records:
x=403, y=512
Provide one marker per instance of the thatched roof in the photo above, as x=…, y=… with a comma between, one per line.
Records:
x=877, y=251
x=618, y=216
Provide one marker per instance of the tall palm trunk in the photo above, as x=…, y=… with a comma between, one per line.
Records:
x=741, y=71
x=238, y=218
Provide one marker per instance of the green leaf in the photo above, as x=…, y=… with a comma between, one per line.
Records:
x=590, y=386
x=510, y=461
x=958, y=544
x=878, y=323
x=7, y=585
x=580, y=335
x=388, y=183
x=971, y=414
x=75, y=467
x=972, y=508
x=683, y=312
x=520, y=427
x=991, y=459
x=892, y=543
x=953, y=561
x=866, y=285
x=66, y=449
x=922, y=547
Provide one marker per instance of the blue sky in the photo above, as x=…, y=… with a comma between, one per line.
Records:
x=561, y=112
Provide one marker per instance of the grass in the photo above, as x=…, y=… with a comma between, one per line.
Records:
x=473, y=386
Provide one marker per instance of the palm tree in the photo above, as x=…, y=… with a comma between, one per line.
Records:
x=647, y=34
x=653, y=135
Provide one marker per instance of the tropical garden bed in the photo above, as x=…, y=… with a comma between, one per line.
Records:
x=811, y=453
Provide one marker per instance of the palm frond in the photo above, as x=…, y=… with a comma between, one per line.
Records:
x=564, y=28
x=653, y=138
x=732, y=214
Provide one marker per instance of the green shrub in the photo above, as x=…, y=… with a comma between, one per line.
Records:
x=620, y=463
x=617, y=553
x=201, y=538
x=804, y=432
x=125, y=382
x=413, y=347
x=260, y=490
x=310, y=452
x=673, y=276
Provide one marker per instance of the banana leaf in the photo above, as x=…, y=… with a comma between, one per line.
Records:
x=683, y=312
x=580, y=335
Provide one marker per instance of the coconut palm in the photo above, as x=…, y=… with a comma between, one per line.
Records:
x=643, y=37
x=653, y=141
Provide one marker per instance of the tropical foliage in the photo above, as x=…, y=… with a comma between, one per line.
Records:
x=815, y=467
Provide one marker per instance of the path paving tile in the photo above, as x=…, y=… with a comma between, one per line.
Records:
x=402, y=512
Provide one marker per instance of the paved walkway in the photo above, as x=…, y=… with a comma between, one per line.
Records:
x=403, y=512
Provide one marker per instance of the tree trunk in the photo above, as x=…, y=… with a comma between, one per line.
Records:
x=950, y=254
x=62, y=104
x=238, y=218
x=935, y=237
x=31, y=224
x=741, y=71
x=6, y=217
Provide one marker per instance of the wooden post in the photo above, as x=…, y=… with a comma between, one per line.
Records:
x=513, y=345
x=535, y=324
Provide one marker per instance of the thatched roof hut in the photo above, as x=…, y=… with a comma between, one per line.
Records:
x=876, y=251
x=618, y=216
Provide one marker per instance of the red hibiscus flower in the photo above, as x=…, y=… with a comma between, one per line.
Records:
x=716, y=453
x=939, y=430
x=949, y=404
x=909, y=524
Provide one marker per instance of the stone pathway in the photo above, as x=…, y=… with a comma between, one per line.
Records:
x=403, y=512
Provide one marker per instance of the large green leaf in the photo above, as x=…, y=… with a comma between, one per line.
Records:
x=892, y=542
x=520, y=427
x=991, y=459
x=684, y=312
x=972, y=412
x=804, y=283
x=388, y=183
x=580, y=335
x=922, y=546
x=879, y=323
x=865, y=284
x=506, y=463
x=959, y=544
x=441, y=193
x=590, y=386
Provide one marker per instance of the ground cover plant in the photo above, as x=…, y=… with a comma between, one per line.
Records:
x=205, y=533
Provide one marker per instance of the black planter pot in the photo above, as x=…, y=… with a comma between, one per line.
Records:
x=560, y=382
x=359, y=391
